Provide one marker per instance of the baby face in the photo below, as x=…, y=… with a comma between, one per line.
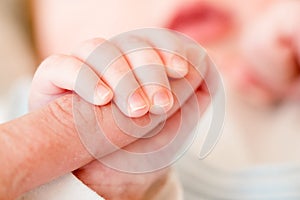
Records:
x=62, y=23
x=216, y=24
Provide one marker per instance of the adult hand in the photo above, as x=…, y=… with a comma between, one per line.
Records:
x=145, y=185
x=45, y=144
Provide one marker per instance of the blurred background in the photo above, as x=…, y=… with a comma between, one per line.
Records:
x=17, y=57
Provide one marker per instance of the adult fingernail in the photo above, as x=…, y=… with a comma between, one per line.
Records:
x=137, y=104
x=104, y=94
x=179, y=65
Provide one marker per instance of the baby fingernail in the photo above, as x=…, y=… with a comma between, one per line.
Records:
x=179, y=65
x=137, y=104
x=104, y=94
x=162, y=99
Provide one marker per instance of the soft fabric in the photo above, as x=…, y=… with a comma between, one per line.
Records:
x=63, y=188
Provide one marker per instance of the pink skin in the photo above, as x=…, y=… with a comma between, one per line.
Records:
x=95, y=174
x=48, y=83
x=271, y=47
x=230, y=42
x=58, y=74
x=49, y=130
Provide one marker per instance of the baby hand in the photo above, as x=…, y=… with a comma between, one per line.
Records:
x=137, y=82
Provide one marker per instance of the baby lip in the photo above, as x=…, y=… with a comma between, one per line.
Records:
x=202, y=21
